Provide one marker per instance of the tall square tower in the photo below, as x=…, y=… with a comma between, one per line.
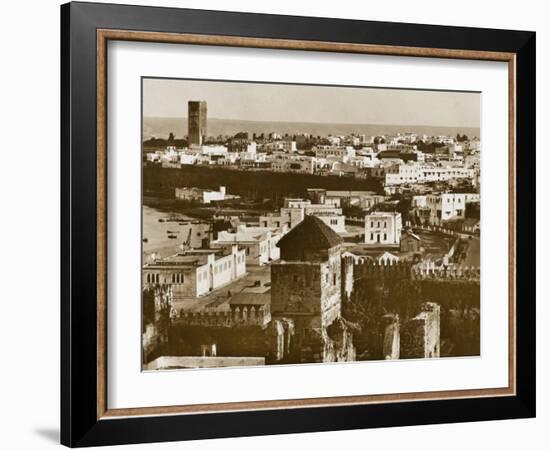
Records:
x=196, y=122
x=306, y=282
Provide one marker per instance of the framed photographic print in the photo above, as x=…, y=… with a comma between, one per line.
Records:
x=276, y=224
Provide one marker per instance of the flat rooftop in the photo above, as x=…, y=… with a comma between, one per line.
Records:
x=242, y=236
x=180, y=260
x=193, y=257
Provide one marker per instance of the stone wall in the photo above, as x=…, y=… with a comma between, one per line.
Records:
x=339, y=342
x=330, y=344
x=278, y=342
x=306, y=289
x=188, y=340
x=392, y=335
x=232, y=316
x=401, y=288
x=420, y=336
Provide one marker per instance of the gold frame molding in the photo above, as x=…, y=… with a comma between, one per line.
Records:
x=105, y=35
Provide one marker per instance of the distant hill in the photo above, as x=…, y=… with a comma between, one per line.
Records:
x=160, y=127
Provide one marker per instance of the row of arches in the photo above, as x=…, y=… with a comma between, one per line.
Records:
x=175, y=278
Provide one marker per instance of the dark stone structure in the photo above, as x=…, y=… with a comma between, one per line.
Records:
x=306, y=288
x=196, y=122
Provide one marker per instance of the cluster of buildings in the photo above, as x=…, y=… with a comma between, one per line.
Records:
x=211, y=260
x=296, y=209
x=287, y=271
x=296, y=317
x=196, y=272
x=393, y=167
x=442, y=208
x=204, y=196
x=398, y=159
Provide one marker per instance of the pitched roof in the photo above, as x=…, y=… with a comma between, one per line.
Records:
x=311, y=233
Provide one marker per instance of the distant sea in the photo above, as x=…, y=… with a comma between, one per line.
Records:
x=161, y=127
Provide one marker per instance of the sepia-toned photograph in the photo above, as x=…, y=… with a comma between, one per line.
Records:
x=298, y=224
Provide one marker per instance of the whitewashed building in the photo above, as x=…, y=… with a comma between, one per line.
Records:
x=383, y=228
x=205, y=196
x=258, y=243
x=195, y=273
x=445, y=207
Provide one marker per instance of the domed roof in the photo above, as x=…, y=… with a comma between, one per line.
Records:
x=311, y=233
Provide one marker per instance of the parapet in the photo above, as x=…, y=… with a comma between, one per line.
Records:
x=433, y=272
x=426, y=270
x=251, y=315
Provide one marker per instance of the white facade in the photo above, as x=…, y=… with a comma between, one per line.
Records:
x=329, y=214
x=335, y=140
x=170, y=155
x=297, y=203
x=419, y=173
x=202, y=195
x=334, y=152
x=212, y=196
x=403, y=173
x=197, y=272
x=259, y=243
x=419, y=201
x=214, y=150
x=446, y=173
x=289, y=146
x=297, y=208
x=188, y=158
x=336, y=222
x=288, y=217
x=444, y=207
x=383, y=228
x=153, y=157
x=444, y=139
x=221, y=271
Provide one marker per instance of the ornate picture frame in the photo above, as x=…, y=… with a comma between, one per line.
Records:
x=86, y=418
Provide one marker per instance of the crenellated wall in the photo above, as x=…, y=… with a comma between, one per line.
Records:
x=232, y=316
x=407, y=270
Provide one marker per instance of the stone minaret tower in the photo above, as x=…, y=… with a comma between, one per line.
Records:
x=196, y=122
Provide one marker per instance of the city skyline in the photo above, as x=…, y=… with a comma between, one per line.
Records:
x=245, y=101
x=292, y=246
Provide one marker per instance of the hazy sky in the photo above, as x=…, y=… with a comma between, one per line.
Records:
x=299, y=103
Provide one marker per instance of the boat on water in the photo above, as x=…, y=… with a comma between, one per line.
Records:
x=172, y=236
x=172, y=232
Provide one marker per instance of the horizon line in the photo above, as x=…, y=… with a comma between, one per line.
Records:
x=319, y=123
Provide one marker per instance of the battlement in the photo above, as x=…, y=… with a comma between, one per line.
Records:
x=382, y=269
x=247, y=315
x=426, y=270
x=432, y=272
x=457, y=230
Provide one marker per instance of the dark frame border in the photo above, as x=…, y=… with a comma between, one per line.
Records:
x=80, y=425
